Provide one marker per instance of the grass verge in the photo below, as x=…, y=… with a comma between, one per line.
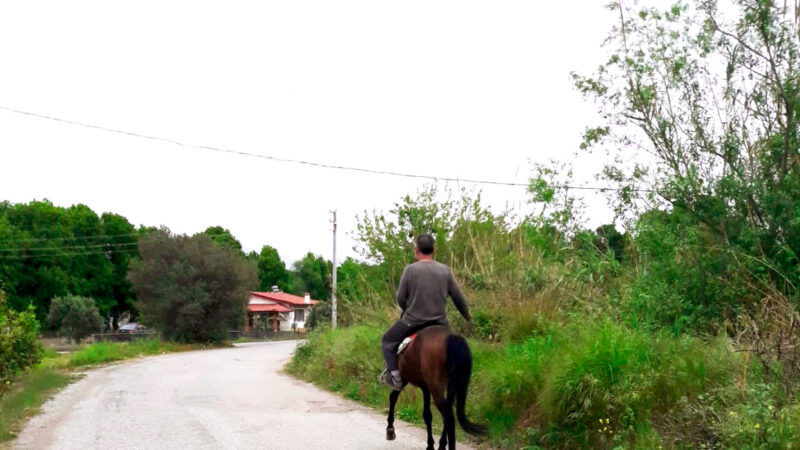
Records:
x=21, y=399
x=107, y=352
x=583, y=385
x=26, y=395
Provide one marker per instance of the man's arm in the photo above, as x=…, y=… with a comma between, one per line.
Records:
x=458, y=298
x=402, y=291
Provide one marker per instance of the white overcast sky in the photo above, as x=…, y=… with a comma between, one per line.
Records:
x=449, y=88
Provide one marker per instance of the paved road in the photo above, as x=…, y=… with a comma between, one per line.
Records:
x=228, y=398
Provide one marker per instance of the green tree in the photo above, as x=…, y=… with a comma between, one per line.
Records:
x=271, y=270
x=312, y=274
x=701, y=105
x=116, y=289
x=48, y=251
x=387, y=240
x=608, y=239
x=224, y=238
x=19, y=340
x=190, y=288
x=74, y=317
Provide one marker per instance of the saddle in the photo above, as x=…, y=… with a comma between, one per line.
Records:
x=405, y=343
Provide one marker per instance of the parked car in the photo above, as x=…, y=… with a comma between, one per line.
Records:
x=130, y=328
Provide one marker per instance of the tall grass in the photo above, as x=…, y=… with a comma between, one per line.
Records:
x=664, y=335
x=576, y=385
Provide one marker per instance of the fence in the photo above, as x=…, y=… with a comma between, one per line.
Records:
x=123, y=337
x=263, y=335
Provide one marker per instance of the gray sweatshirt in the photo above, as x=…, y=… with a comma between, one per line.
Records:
x=423, y=291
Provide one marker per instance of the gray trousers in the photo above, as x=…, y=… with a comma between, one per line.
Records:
x=395, y=335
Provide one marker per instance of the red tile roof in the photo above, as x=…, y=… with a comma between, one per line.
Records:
x=283, y=298
x=268, y=308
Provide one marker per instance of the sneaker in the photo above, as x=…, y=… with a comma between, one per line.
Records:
x=395, y=383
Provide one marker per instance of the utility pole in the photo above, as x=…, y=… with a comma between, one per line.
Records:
x=333, y=284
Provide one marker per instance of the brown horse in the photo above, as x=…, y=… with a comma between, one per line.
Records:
x=440, y=364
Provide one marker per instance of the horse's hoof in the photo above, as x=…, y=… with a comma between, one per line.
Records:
x=390, y=434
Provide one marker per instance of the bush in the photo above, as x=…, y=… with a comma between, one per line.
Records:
x=320, y=315
x=189, y=288
x=74, y=317
x=554, y=388
x=19, y=345
x=347, y=360
x=627, y=378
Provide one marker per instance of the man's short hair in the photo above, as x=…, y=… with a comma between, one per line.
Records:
x=425, y=244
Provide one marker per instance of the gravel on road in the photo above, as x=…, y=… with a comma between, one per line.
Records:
x=225, y=398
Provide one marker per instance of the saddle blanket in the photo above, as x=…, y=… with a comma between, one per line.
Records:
x=405, y=343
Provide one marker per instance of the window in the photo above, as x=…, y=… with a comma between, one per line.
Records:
x=299, y=315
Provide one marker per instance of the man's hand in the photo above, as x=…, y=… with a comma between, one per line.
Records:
x=469, y=326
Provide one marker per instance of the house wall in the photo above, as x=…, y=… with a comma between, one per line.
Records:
x=284, y=325
x=260, y=301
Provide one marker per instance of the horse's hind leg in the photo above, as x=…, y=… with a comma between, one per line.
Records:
x=451, y=428
x=448, y=440
x=390, y=427
x=427, y=416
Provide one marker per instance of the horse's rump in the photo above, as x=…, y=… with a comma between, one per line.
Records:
x=441, y=362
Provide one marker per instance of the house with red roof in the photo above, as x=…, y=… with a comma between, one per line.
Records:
x=277, y=311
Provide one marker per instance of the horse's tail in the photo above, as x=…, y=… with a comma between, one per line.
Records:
x=459, y=370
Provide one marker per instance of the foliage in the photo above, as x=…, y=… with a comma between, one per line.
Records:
x=224, y=238
x=708, y=99
x=643, y=330
x=105, y=352
x=312, y=274
x=19, y=345
x=74, y=317
x=49, y=251
x=271, y=270
x=559, y=385
x=190, y=288
x=320, y=315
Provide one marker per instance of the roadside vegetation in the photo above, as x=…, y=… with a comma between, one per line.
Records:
x=48, y=251
x=675, y=326
x=73, y=273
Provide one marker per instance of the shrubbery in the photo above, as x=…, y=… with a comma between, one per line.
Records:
x=190, y=288
x=555, y=389
x=19, y=345
x=681, y=331
x=74, y=317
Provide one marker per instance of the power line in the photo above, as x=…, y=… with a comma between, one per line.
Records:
x=23, y=249
x=69, y=254
x=75, y=238
x=303, y=162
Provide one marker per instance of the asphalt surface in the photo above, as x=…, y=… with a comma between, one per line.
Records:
x=227, y=398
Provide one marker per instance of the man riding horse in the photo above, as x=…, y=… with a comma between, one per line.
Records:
x=422, y=296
